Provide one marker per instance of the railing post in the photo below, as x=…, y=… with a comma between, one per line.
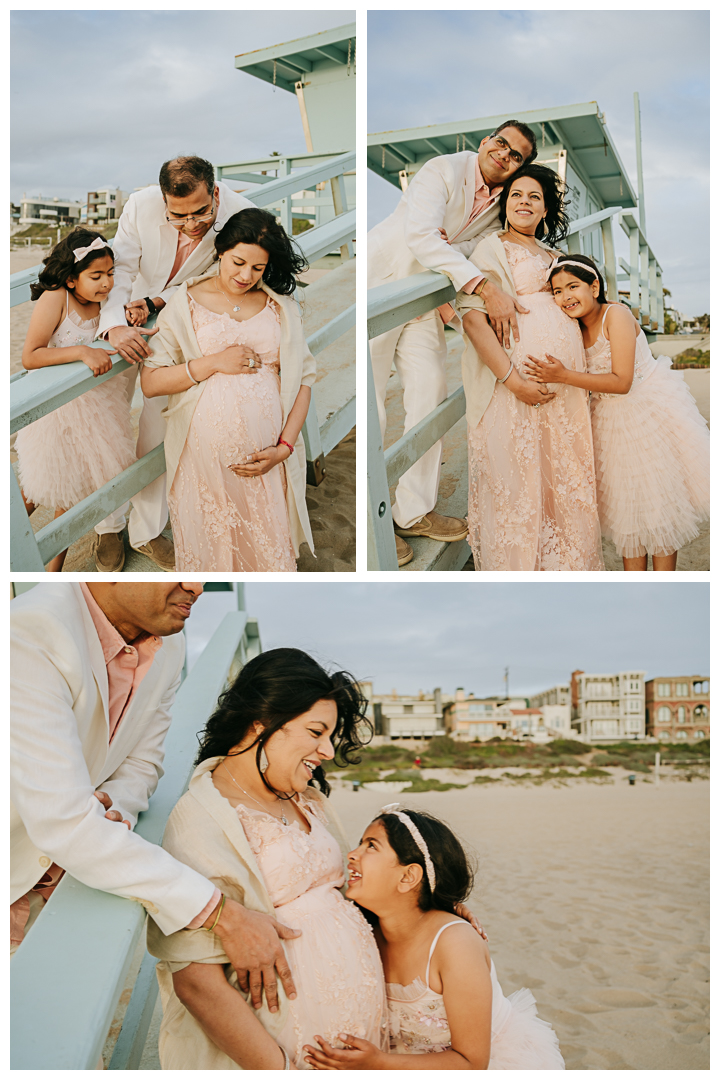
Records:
x=574, y=244
x=634, y=269
x=313, y=447
x=340, y=205
x=24, y=552
x=381, y=550
x=644, y=284
x=609, y=256
x=652, y=288
x=286, y=218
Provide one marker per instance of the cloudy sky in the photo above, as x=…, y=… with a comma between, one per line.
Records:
x=104, y=97
x=431, y=67
x=418, y=636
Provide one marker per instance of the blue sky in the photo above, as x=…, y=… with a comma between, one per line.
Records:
x=104, y=97
x=429, y=67
x=417, y=636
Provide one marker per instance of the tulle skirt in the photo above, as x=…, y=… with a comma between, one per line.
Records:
x=70, y=453
x=652, y=461
x=525, y=1041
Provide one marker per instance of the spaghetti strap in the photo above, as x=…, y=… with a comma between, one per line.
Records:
x=432, y=947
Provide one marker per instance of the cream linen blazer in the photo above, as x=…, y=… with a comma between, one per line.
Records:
x=59, y=755
x=441, y=195
x=204, y=831
x=145, y=247
x=176, y=343
x=478, y=380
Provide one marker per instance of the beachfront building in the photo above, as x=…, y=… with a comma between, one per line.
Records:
x=556, y=695
x=49, y=210
x=677, y=707
x=105, y=204
x=554, y=704
x=608, y=708
x=472, y=719
x=406, y=716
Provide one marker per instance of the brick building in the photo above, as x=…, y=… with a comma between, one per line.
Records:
x=677, y=707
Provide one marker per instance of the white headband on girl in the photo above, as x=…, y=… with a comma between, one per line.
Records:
x=392, y=808
x=96, y=245
x=562, y=263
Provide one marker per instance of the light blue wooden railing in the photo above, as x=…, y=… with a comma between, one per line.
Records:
x=34, y=394
x=398, y=302
x=69, y=973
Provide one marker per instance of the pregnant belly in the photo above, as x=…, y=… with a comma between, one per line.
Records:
x=547, y=330
x=238, y=415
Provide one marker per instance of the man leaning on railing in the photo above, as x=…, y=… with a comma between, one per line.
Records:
x=94, y=670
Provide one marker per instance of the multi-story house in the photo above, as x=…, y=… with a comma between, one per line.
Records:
x=677, y=707
x=608, y=708
x=105, y=205
x=405, y=716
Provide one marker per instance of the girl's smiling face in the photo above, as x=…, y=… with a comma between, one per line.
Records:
x=576, y=298
x=374, y=870
x=525, y=205
x=93, y=284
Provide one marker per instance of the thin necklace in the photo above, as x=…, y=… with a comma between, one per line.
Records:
x=282, y=813
x=235, y=308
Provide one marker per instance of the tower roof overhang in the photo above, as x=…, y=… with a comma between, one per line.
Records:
x=290, y=62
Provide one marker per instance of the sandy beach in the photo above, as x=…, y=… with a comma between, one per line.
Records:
x=595, y=896
x=331, y=505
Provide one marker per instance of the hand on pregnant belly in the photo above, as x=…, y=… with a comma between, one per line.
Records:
x=544, y=371
x=238, y=360
x=262, y=462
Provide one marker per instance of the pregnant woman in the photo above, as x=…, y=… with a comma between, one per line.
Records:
x=532, y=502
x=232, y=355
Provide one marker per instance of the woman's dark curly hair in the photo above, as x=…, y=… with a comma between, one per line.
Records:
x=274, y=688
x=60, y=264
x=254, y=226
x=453, y=872
x=553, y=193
x=583, y=275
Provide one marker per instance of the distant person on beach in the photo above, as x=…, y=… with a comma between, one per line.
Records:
x=451, y=203
x=93, y=675
x=165, y=236
x=68, y=454
x=445, y=1003
x=232, y=356
x=531, y=499
x=652, y=447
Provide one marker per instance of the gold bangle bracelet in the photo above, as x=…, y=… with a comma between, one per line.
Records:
x=217, y=917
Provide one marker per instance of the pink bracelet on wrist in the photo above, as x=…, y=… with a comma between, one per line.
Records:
x=284, y=443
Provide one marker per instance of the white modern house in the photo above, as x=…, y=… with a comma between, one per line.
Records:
x=608, y=707
x=49, y=210
x=406, y=716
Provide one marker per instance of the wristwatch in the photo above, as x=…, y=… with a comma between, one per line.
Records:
x=152, y=309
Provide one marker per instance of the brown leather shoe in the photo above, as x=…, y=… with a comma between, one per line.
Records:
x=404, y=551
x=161, y=551
x=437, y=527
x=109, y=553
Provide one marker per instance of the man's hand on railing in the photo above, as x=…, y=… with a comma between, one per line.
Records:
x=252, y=944
x=501, y=310
x=98, y=360
x=129, y=342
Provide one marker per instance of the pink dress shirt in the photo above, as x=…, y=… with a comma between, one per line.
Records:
x=484, y=196
x=127, y=665
x=185, y=247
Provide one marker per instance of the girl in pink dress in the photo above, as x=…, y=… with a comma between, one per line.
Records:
x=230, y=352
x=71, y=452
x=444, y=998
x=652, y=447
x=532, y=502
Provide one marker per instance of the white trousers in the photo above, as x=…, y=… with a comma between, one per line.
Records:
x=420, y=355
x=149, y=507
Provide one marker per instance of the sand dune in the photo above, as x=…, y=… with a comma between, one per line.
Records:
x=595, y=896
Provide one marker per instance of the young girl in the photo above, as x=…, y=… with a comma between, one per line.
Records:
x=652, y=447
x=232, y=355
x=70, y=453
x=445, y=1006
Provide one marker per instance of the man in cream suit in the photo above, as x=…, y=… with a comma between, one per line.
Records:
x=451, y=203
x=165, y=236
x=94, y=669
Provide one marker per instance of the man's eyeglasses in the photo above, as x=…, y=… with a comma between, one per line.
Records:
x=178, y=222
x=515, y=155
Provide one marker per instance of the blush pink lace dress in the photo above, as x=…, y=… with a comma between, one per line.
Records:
x=221, y=521
x=520, y=1039
x=652, y=455
x=70, y=453
x=335, y=964
x=532, y=503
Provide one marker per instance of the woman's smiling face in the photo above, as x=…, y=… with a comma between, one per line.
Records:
x=525, y=205
x=242, y=267
x=576, y=298
x=299, y=746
